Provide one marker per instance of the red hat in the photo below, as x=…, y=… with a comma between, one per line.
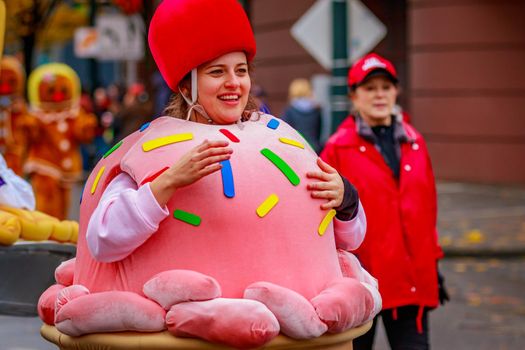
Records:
x=371, y=63
x=184, y=34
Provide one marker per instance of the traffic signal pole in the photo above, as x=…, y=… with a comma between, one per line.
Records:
x=338, y=86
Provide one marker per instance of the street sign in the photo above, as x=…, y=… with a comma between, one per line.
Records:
x=115, y=37
x=314, y=31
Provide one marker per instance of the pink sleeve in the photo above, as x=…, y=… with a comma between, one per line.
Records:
x=350, y=234
x=123, y=220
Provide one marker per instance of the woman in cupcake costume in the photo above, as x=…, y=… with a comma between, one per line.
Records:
x=217, y=221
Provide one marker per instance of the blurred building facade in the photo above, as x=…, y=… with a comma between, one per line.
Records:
x=461, y=67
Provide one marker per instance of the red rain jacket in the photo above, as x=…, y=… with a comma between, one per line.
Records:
x=400, y=248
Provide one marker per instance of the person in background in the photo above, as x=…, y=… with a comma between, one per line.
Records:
x=259, y=96
x=388, y=162
x=303, y=113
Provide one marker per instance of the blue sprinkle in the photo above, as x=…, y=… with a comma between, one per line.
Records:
x=2, y=181
x=227, y=179
x=144, y=126
x=273, y=124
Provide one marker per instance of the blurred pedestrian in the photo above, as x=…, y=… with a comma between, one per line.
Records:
x=303, y=113
x=387, y=160
x=137, y=109
x=259, y=95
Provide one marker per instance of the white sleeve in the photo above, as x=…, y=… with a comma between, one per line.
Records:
x=350, y=234
x=123, y=220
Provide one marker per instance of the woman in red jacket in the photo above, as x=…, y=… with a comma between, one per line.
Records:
x=387, y=161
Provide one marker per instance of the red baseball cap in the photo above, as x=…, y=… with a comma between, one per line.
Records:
x=371, y=65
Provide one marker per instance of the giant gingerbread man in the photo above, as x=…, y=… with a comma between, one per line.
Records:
x=54, y=160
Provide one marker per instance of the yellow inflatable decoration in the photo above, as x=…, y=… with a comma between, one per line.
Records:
x=34, y=226
x=10, y=228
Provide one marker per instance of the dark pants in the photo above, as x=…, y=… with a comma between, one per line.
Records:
x=402, y=332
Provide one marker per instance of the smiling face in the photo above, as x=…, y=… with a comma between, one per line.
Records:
x=375, y=100
x=223, y=87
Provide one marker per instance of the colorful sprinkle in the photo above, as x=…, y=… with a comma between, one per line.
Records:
x=291, y=142
x=112, y=149
x=144, y=126
x=273, y=124
x=227, y=179
x=267, y=205
x=2, y=181
x=282, y=166
x=186, y=217
x=154, y=176
x=97, y=179
x=229, y=135
x=167, y=140
x=326, y=220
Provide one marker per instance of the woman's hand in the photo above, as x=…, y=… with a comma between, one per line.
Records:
x=200, y=161
x=330, y=186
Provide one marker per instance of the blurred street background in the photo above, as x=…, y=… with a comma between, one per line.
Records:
x=461, y=70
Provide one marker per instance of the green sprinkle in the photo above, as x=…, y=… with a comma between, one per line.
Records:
x=186, y=217
x=282, y=166
x=112, y=149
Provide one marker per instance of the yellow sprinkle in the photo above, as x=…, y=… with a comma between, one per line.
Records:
x=163, y=141
x=291, y=142
x=97, y=178
x=267, y=205
x=327, y=219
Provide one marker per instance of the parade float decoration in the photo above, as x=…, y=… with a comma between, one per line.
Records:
x=54, y=161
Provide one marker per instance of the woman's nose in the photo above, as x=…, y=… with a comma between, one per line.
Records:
x=232, y=80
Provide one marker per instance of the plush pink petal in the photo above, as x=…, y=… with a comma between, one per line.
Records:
x=239, y=323
x=65, y=271
x=297, y=317
x=175, y=286
x=69, y=293
x=351, y=267
x=46, y=304
x=344, y=304
x=113, y=311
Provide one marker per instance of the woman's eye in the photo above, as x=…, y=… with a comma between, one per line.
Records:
x=216, y=71
x=242, y=70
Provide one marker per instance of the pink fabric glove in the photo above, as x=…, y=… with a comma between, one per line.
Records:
x=46, y=304
x=175, y=286
x=239, y=323
x=297, y=317
x=113, y=311
x=65, y=271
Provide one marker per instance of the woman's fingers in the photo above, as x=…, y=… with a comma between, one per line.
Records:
x=209, y=170
x=319, y=175
x=210, y=160
x=325, y=167
x=320, y=186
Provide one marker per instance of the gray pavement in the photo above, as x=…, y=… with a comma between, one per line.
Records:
x=481, y=220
